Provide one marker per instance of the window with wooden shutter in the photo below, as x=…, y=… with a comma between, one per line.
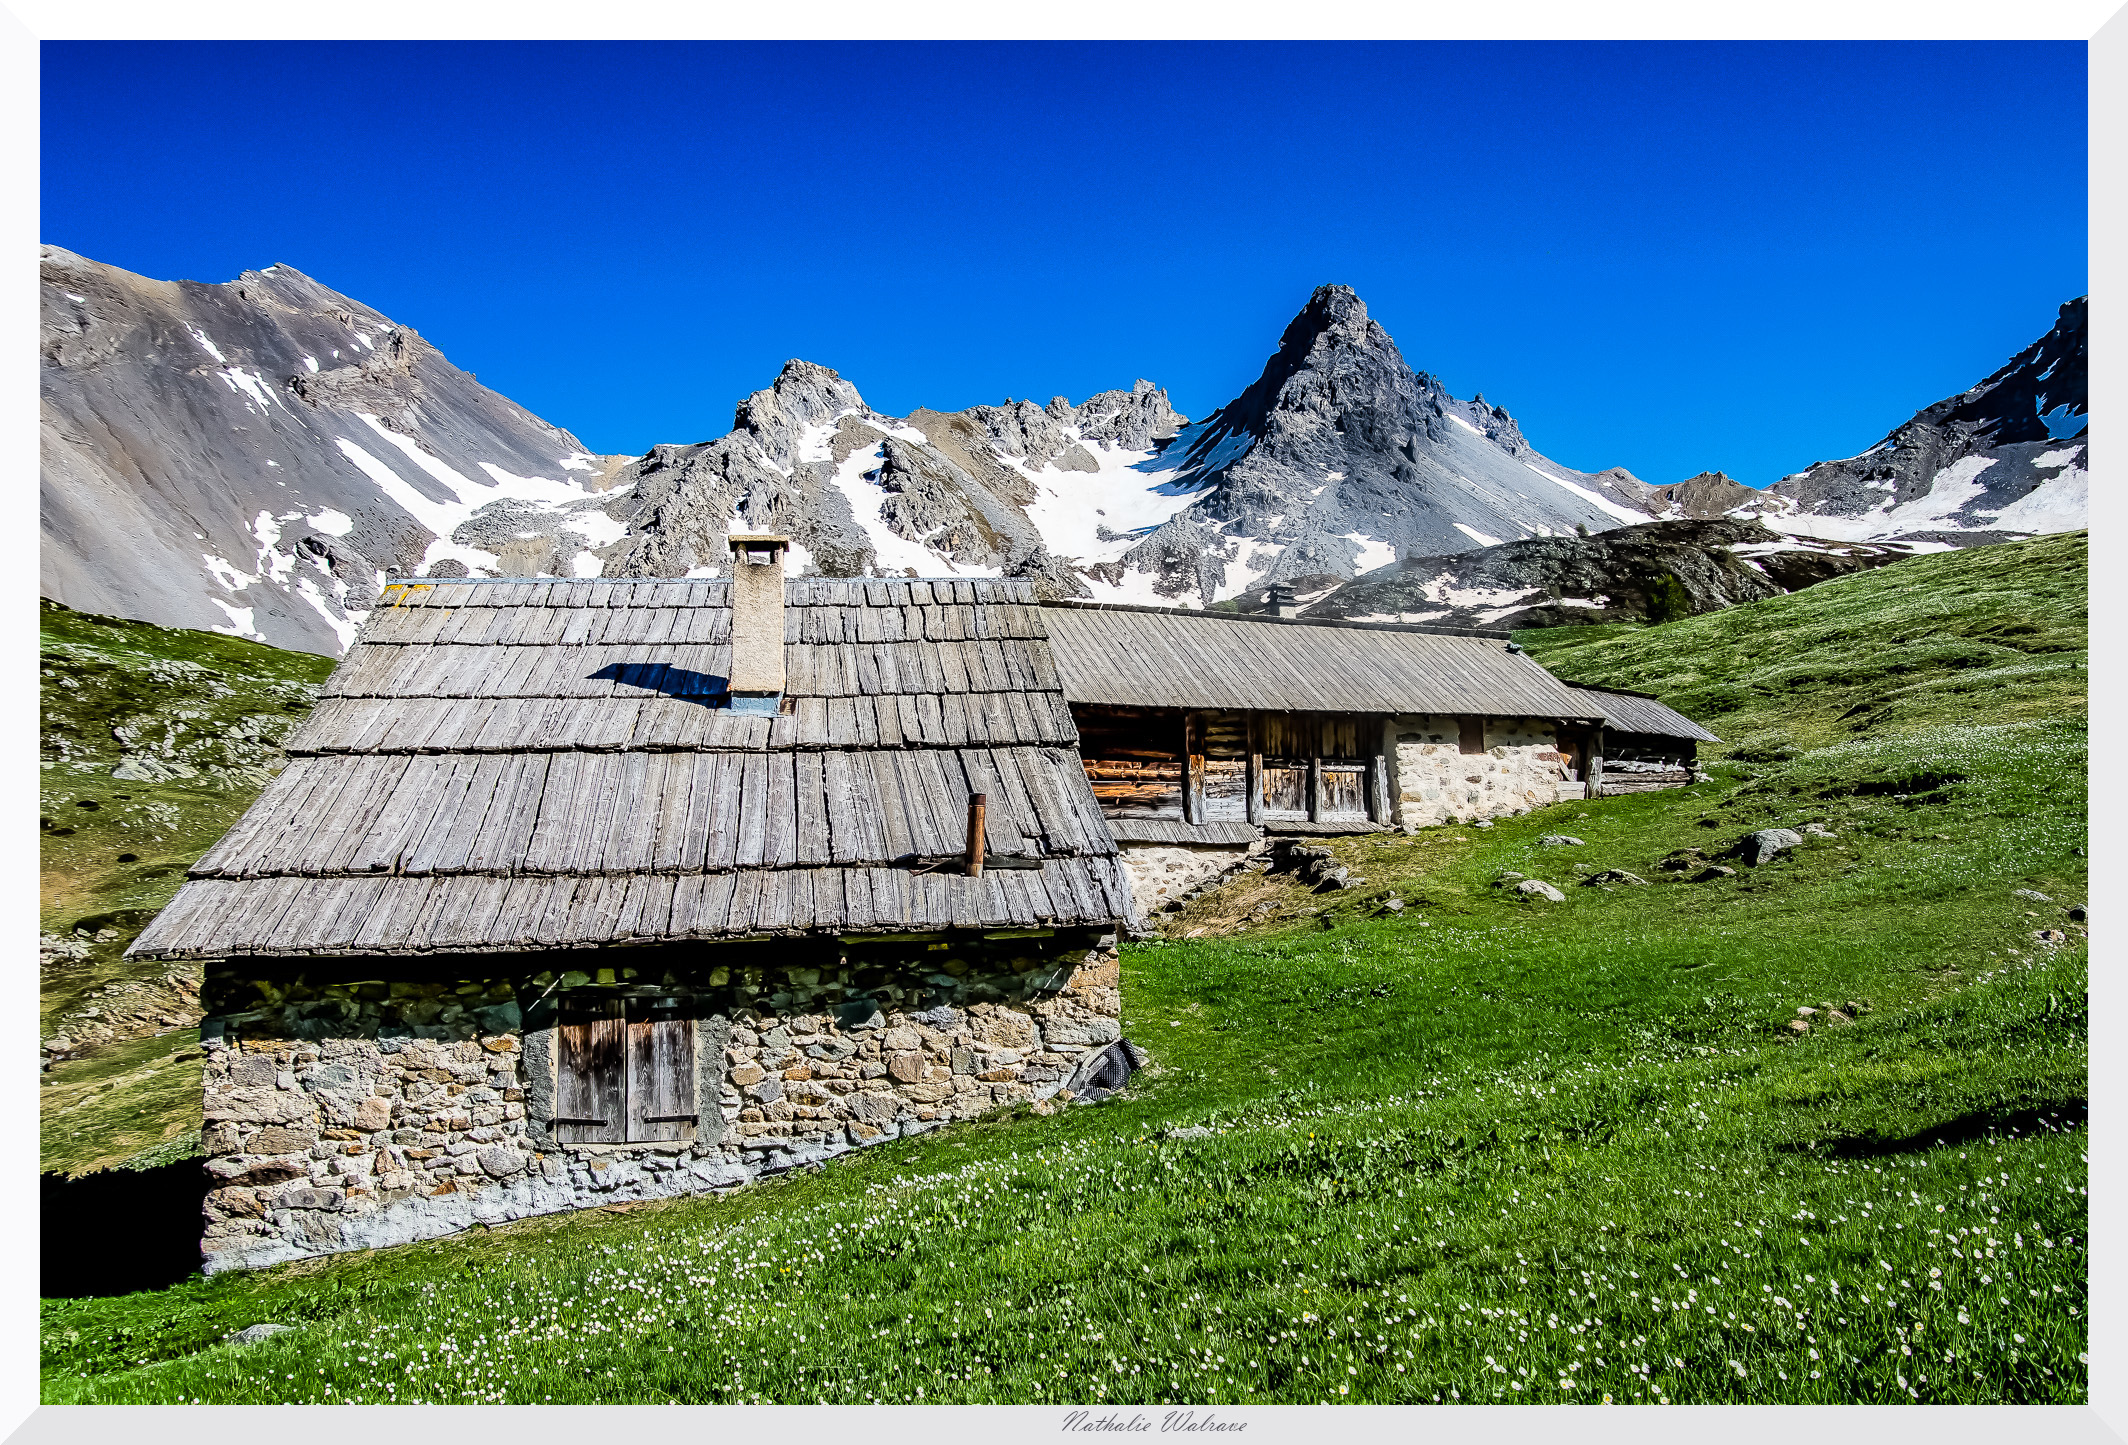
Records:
x=661, y=1070
x=625, y=1072
x=1472, y=739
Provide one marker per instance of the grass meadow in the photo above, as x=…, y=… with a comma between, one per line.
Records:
x=1423, y=1140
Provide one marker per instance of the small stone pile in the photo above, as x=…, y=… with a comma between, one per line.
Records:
x=1311, y=863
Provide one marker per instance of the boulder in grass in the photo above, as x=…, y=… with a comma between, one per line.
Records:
x=1615, y=875
x=1538, y=888
x=1756, y=848
x=255, y=1334
x=1561, y=840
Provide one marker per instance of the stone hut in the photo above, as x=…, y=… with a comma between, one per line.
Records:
x=1203, y=732
x=583, y=891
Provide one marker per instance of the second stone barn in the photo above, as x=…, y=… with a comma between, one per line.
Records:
x=583, y=891
x=1202, y=732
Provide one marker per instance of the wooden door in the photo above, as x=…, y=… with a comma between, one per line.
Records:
x=1344, y=791
x=661, y=1071
x=1285, y=788
x=590, y=1097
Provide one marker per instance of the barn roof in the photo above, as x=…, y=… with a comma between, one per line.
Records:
x=532, y=764
x=1636, y=712
x=1160, y=657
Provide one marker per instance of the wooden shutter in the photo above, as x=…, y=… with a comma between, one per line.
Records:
x=591, y=1085
x=661, y=1070
x=1472, y=738
x=1344, y=790
x=1285, y=790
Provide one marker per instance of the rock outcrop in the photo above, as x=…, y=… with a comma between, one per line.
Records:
x=1647, y=573
x=861, y=494
x=1340, y=458
x=2007, y=458
x=1710, y=494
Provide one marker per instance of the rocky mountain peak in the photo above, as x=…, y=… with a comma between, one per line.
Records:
x=1340, y=457
x=2007, y=457
x=1332, y=310
x=1707, y=495
x=802, y=395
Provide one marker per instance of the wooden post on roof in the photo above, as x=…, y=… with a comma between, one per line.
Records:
x=1192, y=768
x=976, y=805
x=1252, y=802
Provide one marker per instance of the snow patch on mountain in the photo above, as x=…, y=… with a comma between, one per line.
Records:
x=1590, y=495
x=2061, y=503
x=1374, y=554
x=1098, y=516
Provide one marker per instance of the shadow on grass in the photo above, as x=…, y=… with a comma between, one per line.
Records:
x=119, y=1230
x=2052, y=1118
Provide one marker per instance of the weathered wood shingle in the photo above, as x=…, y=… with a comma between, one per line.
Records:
x=1149, y=657
x=549, y=764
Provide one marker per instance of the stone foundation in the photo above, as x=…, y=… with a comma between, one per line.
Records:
x=1160, y=873
x=1432, y=780
x=345, y=1112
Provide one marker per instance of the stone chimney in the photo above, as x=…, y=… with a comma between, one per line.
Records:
x=1280, y=601
x=756, y=681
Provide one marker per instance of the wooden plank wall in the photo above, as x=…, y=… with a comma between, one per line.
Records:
x=1232, y=766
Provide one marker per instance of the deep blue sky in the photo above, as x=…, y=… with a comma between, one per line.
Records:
x=1668, y=257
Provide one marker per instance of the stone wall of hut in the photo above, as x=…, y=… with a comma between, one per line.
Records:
x=345, y=1111
x=1433, y=780
x=1162, y=873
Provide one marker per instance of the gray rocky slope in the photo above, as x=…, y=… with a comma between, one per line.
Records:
x=2007, y=458
x=251, y=457
x=862, y=494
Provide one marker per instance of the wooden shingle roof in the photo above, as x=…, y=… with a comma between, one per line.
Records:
x=1149, y=657
x=1636, y=712
x=507, y=765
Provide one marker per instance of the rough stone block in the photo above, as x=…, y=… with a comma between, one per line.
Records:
x=874, y=1108
x=280, y=1139
x=308, y=1198
x=259, y=1106
x=252, y=1071
x=499, y=1163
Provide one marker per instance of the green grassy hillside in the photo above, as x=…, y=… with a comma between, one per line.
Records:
x=1474, y=1148
x=1993, y=635
x=194, y=720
